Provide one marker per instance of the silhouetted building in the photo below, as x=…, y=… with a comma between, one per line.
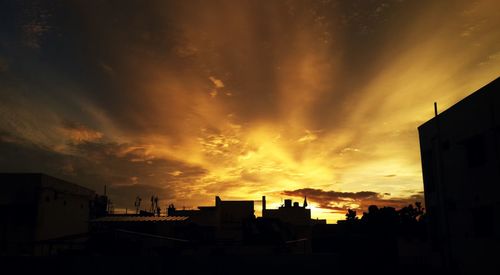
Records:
x=297, y=221
x=224, y=212
x=100, y=206
x=227, y=217
x=233, y=212
x=460, y=151
x=41, y=214
x=294, y=215
x=204, y=215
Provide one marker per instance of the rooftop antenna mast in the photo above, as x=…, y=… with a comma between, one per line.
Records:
x=137, y=204
x=111, y=207
x=157, y=208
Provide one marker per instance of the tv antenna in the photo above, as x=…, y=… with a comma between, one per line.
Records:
x=137, y=204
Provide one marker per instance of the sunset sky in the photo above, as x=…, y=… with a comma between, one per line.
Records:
x=192, y=99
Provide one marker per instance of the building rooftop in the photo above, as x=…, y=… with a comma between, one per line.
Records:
x=488, y=88
x=140, y=219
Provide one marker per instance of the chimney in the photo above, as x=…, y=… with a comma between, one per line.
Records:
x=263, y=205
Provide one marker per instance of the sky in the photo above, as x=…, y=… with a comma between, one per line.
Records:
x=187, y=100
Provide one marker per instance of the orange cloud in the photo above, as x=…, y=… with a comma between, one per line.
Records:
x=341, y=201
x=79, y=133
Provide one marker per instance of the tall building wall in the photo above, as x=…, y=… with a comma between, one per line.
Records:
x=460, y=152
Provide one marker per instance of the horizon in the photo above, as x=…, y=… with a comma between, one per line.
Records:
x=240, y=99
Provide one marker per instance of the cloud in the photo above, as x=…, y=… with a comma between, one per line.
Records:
x=175, y=173
x=34, y=32
x=217, y=82
x=79, y=133
x=308, y=137
x=36, y=24
x=106, y=68
x=341, y=201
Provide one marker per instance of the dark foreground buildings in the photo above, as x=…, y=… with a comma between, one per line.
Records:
x=41, y=215
x=460, y=150
x=232, y=226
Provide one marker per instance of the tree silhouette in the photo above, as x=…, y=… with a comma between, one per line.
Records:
x=410, y=213
x=409, y=221
x=412, y=221
x=351, y=215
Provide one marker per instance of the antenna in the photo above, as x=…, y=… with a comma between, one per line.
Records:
x=435, y=109
x=111, y=207
x=137, y=204
x=154, y=204
x=156, y=208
